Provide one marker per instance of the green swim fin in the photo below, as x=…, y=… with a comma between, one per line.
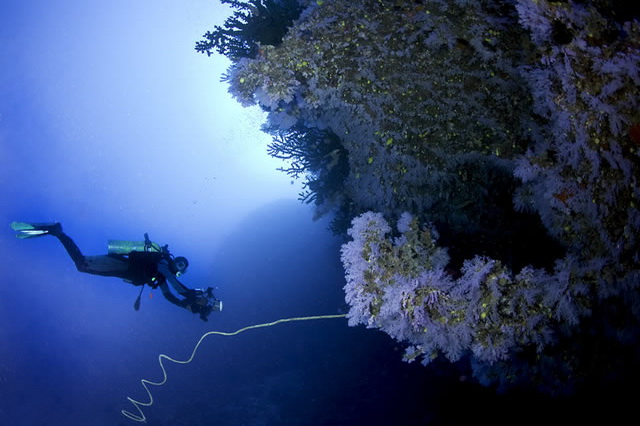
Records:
x=30, y=230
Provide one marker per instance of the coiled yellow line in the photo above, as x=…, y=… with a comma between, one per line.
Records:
x=141, y=418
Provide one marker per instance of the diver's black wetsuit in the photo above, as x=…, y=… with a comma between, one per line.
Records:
x=137, y=268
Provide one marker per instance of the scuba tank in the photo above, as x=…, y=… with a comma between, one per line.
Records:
x=126, y=247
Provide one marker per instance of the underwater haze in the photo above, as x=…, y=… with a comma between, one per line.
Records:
x=113, y=125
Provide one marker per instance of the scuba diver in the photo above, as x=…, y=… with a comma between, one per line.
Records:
x=138, y=263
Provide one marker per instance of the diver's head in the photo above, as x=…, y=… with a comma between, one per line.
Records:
x=181, y=264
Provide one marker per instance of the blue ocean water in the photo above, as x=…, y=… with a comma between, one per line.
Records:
x=111, y=124
x=74, y=348
x=65, y=363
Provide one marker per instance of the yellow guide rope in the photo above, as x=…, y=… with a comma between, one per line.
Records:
x=141, y=418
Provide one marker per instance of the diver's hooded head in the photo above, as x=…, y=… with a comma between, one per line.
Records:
x=180, y=265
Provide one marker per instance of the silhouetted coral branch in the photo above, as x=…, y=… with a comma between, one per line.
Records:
x=253, y=23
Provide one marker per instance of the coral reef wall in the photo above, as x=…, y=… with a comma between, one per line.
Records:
x=503, y=138
x=418, y=93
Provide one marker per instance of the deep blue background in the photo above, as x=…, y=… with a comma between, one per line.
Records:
x=75, y=348
x=111, y=124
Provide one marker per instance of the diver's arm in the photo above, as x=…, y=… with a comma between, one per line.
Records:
x=190, y=305
x=183, y=290
x=170, y=297
x=195, y=301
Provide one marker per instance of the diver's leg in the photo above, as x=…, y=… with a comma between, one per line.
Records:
x=111, y=266
x=30, y=230
x=73, y=250
x=97, y=265
x=107, y=266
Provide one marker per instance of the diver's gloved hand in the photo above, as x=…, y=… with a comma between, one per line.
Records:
x=204, y=312
x=202, y=302
x=200, y=306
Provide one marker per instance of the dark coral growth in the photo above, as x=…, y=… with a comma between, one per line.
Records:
x=254, y=23
x=502, y=138
x=316, y=155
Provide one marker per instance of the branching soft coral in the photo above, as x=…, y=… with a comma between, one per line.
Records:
x=581, y=174
x=413, y=90
x=316, y=155
x=511, y=127
x=254, y=23
x=404, y=286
